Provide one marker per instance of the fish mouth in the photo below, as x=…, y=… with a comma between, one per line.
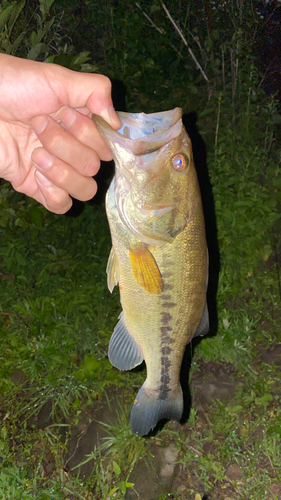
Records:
x=140, y=125
x=142, y=133
x=149, y=132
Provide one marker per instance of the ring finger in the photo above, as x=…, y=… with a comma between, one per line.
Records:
x=64, y=176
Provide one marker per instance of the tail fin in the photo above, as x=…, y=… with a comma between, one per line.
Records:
x=147, y=411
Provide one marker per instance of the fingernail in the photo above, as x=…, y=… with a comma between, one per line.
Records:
x=111, y=117
x=114, y=117
x=42, y=179
x=68, y=117
x=39, y=123
x=42, y=159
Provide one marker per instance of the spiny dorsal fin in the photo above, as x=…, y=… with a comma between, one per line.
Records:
x=145, y=270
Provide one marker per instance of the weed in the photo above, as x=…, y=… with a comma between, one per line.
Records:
x=119, y=442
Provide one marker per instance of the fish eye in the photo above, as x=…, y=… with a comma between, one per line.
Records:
x=180, y=162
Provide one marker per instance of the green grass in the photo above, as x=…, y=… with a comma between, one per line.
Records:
x=54, y=294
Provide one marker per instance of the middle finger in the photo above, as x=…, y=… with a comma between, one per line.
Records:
x=64, y=146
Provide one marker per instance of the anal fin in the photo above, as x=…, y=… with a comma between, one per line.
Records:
x=123, y=351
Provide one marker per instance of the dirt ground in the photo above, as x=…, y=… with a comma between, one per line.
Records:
x=159, y=473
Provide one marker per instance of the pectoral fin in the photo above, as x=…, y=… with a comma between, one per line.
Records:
x=112, y=270
x=145, y=270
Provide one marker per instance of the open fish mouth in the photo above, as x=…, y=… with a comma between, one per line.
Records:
x=140, y=125
x=150, y=127
x=145, y=133
x=142, y=133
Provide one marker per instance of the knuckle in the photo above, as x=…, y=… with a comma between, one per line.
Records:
x=61, y=176
x=104, y=81
x=56, y=143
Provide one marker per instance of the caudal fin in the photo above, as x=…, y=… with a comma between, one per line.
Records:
x=147, y=411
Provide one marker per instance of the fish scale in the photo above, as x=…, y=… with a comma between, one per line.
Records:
x=159, y=257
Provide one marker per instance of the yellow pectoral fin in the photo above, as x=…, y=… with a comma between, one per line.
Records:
x=146, y=271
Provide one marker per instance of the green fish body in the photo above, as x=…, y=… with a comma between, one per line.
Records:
x=159, y=257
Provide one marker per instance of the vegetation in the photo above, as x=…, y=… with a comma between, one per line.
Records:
x=56, y=314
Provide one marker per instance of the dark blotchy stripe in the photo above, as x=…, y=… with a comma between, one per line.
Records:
x=165, y=317
x=165, y=350
x=166, y=343
x=165, y=329
x=166, y=338
x=165, y=378
x=169, y=305
x=166, y=296
x=167, y=286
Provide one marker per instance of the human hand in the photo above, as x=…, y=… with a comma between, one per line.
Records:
x=39, y=156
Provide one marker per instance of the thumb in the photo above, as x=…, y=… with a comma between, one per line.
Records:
x=80, y=90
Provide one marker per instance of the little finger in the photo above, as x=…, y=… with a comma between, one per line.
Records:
x=52, y=197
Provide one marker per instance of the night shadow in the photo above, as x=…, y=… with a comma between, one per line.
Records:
x=76, y=209
x=200, y=160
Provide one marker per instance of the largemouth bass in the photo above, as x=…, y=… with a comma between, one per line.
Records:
x=159, y=257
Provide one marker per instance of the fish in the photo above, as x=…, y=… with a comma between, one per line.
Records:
x=159, y=257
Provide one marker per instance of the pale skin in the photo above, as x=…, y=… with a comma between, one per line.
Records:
x=49, y=146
